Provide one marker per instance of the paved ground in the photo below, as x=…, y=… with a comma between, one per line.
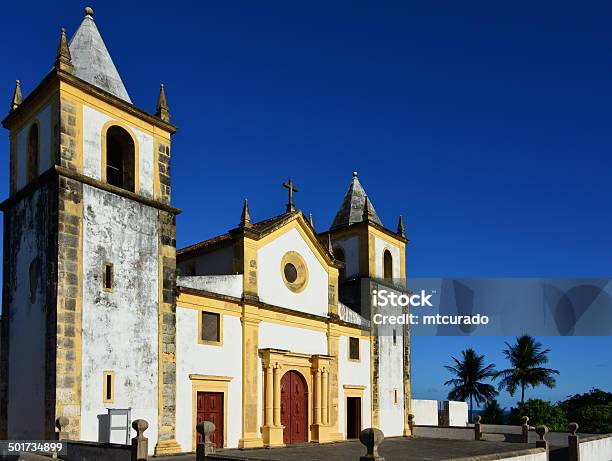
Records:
x=393, y=449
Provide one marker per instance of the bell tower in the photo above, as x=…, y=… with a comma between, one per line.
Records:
x=88, y=304
x=374, y=257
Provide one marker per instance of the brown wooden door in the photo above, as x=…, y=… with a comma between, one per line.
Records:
x=294, y=408
x=210, y=408
x=353, y=417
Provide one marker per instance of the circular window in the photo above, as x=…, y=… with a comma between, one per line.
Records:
x=290, y=273
x=294, y=271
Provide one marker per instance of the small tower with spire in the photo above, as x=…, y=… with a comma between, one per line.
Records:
x=17, y=98
x=245, y=217
x=161, y=110
x=63, y=59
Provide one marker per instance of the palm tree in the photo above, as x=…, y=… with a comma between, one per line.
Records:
x=492, y=413
x=526, y=358
x=470, y=372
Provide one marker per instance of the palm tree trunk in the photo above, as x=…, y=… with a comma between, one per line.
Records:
x=523, y=392
x=471, y=409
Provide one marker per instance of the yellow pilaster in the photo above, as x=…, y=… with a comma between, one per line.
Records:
x=277, y=395
x=324, y=393
x=317, y=396
x=250, y=353
x=269, y=396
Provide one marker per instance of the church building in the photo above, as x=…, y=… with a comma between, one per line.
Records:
x=264, y=330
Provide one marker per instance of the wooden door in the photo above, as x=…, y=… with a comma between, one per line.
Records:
x=294, y=408
x=353, y=417
x=210, y=408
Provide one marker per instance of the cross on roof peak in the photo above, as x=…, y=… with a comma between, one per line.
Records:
x=291, y=188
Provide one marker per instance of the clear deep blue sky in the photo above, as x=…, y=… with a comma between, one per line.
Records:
x=486, y=124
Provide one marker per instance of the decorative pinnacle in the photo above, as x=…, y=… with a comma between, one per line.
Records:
x=63, y=60
x=310, y=221
x=245, y=217
x=162, y=105
x=17, y=99
x=89, y=11
x=400, y=227
x=329, y=245
x=354, y=174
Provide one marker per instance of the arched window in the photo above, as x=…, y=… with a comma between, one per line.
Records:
x=387, y=265
x=33, y=152
x=339, y=255
x=120, y=168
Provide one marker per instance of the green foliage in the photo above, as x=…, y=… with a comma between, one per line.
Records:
x=470, y=372
x=592, y=411
x=492, y=413
x=526, y=358
x=540, y=413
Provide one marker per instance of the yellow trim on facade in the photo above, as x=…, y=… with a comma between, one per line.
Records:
x=105, y=387
x=208, y=383
x=200, y=325
x=297, y=261
x=103, y=160
x=348, y=348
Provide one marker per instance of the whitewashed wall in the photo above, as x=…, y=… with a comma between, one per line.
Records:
x=230, y=285
x=531, y=457
x=356, y=374
x=93, y=122
x=391, y=372
x=380, y=246
x=195, y=358
x=294, y=339
x=270, y=284
x=120, y=328
x=44, y=146
x=598, y=449
x=27, y=321
x=350, y=246
x=457, y=414
x=425, y=412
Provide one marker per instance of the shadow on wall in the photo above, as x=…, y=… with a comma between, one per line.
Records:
x=103, y=428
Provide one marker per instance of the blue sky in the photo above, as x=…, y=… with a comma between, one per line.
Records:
x=486, y=124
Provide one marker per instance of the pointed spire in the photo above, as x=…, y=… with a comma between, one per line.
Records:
x=400, y=227
x=245, y=217
x=352, y=208
x=162, y=105
x=63, y=59
x=16, y=97
x=91, y=60
x=310, y=221
x=367, y=210
x=329, y=245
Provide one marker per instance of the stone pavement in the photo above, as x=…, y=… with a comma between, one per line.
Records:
x=393, y=449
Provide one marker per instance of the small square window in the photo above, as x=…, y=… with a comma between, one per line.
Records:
x=210, y=327
x=354, y=348
x=107, y=277
x=108, y=384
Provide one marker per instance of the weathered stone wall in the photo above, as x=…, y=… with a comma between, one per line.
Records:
x=27, y=262
x=163, y=151
x=120, y=324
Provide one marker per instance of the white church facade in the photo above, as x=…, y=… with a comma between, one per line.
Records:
x=261, y=330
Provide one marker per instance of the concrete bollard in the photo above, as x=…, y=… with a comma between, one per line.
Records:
x=372, y=438
x=140, y=444
x=61, y=423
x=203, y=449
x=573, y=443
x=525, y=430
x=478, y=428
x=542, y=443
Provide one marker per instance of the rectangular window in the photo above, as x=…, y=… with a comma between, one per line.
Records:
x=395, y=396
x=108, y=383
x=210, y=328
x=107, y=277
x=394, y=337
x=353, y=348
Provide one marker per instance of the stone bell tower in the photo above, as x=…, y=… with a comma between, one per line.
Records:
x=88, y=303
x=373, y=256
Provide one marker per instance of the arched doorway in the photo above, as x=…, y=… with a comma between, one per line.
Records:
x=294, y=408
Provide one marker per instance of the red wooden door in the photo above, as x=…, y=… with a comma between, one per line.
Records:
x=294, y=408
x=210, y=408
